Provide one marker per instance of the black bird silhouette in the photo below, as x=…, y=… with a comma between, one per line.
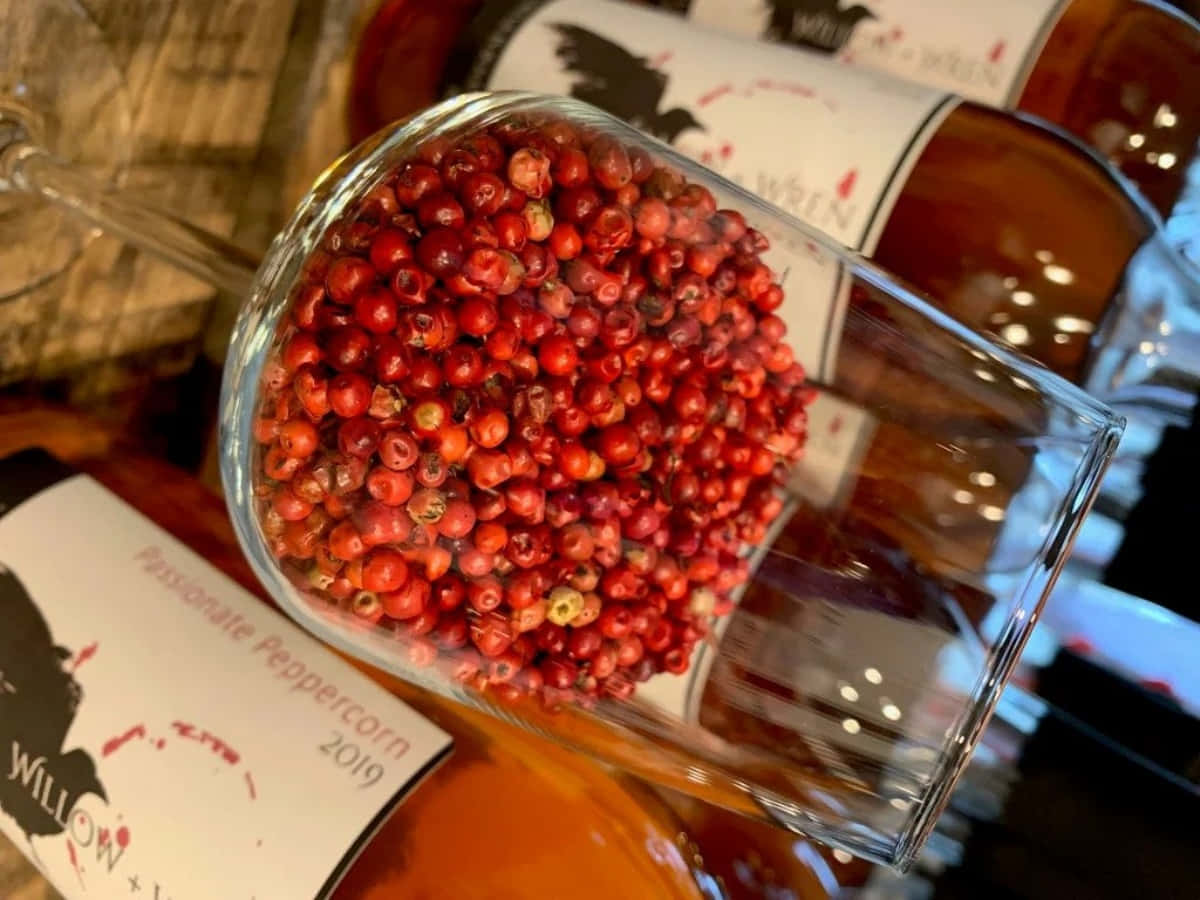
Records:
x=618, y=82
x=38, y=701
x=819, y=24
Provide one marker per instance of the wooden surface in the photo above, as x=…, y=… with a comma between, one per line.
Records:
x=238, y=105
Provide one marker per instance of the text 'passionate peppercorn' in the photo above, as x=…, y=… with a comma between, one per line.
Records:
x=531, y=406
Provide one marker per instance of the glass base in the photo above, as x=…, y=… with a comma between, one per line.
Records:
x=61, y=89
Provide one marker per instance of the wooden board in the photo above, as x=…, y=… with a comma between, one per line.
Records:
x=239, y=104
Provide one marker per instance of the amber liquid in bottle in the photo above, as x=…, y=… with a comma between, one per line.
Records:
x=505, y=815
x=1121, y=75
x=1009, y=227
x=1118, y=74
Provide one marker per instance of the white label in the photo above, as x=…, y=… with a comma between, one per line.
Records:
x=828, y=144
x=839, y=434
x=981, y=50
x=163, y=733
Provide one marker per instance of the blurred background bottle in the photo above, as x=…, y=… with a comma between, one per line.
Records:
x=507, y=814
x=1011, y=226
x=1118, y=74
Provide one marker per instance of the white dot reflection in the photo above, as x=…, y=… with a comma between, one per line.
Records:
x=1167, y=160
x=1016, y=334
x=848, y=693
x=900, y=803
x=1058, y=274
x=1022, y=298
x=984, y=375
x=992, y=513
x=1152, y=158
x=983, y=479
x=1146, y=347
x=1164, y=328
x=842, y=856
x=1044, y=256
x=1021, y=383
x=1061, y=338
x=961, y=496
x=1164, y=117
x=851, y=726
x=891, y=711
x=1073, y=325
x=1010, y=282
x=1136, y=140
x=873, y=675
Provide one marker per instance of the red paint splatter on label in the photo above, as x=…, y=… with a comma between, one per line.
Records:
x=1081, y=645
x=159, y=744
x=836, y=425
x=122, y=837
x=84, y=655
x=845, y=187
x=112, y=745
x=219, y=747
x=997, y=51
x=769, y=84
x=726, y=150
x=74, y=861
x=250, y=785
x=706, y=157
x=896, y=33
x=103, y=836
x=715, y=94
x=1158, y=686
x=657, y=62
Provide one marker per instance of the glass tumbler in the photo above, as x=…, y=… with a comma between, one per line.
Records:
x=529, y=410
x=708, y=503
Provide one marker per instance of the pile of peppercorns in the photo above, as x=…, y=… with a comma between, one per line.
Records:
x=531, y=404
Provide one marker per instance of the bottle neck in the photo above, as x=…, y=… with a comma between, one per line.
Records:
x=1146, y=355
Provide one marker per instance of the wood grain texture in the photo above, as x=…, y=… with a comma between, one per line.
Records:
x=201, y=76
x=238, y=106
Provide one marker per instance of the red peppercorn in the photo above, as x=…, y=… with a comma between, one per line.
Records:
x=485, y=593
x=440, y=251
x=298, y=438
x=409, y=284
x=347, y=277
x=346, y=348
x=408, y=601
x=384, y=570
x=565, y=242
x=559, y=673
x=388, y=486
x=492, y=634
x=529, y=172
x=376, y=311
x=584, y=642
x=557, y=355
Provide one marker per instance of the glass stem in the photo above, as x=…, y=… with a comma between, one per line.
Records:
x=26, y=167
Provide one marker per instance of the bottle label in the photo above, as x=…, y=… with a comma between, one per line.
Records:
x=984, y=51
x=833, y=146
x=163, y=733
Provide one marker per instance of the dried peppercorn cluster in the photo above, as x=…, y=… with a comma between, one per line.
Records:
x=531, y=403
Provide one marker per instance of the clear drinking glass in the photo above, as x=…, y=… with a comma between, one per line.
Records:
x=809, y=671
x=819, y=701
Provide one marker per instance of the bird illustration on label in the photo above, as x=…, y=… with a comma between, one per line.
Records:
x=818, y=24
x=614, y=79
x=40, y=784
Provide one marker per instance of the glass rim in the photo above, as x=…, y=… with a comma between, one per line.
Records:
x=343, y=182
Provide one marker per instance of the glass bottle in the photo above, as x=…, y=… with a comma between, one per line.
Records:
x=506, y=814
x=930, y=392
x=1117, y=74
x=1013, y=228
